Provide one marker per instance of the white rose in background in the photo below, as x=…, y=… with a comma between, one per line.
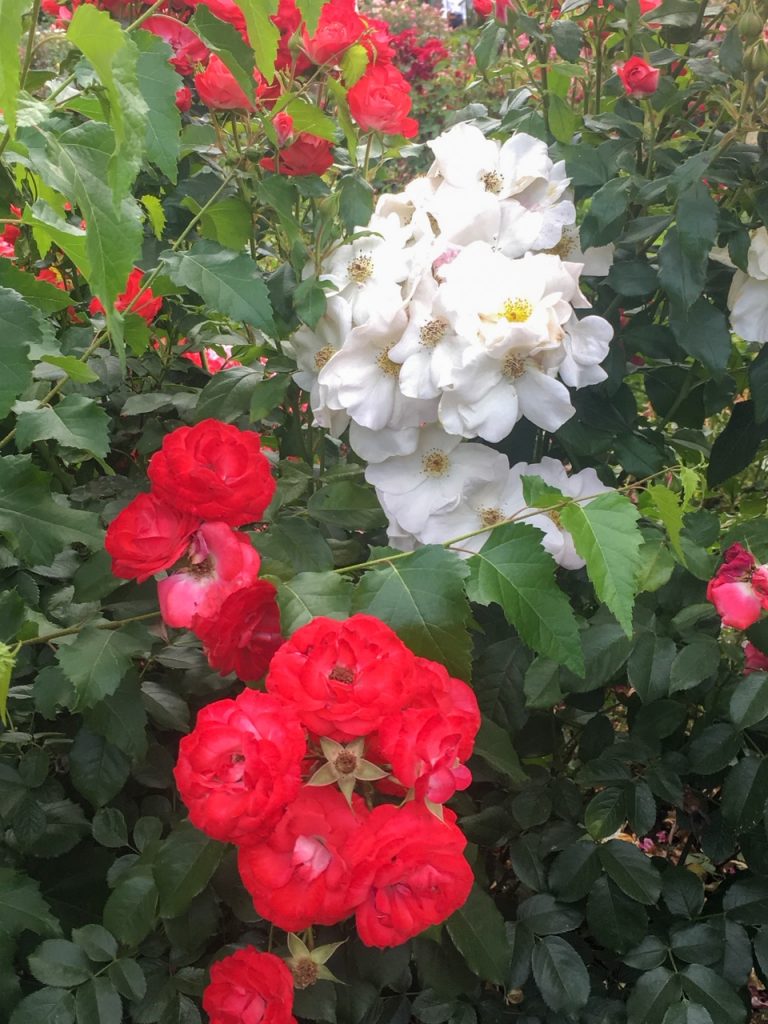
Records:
x=748, y=295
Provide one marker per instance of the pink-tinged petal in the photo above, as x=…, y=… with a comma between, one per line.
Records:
x=737, y=604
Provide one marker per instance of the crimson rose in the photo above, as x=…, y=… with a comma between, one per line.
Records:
x=141, y=300
x=218, y=88
x=638, y=77
x=249, y=987
x=307, y=154
x=380, y=102
x=214, y=471
x=148, y=536
x=244, y=633
x=339, y=27
x=240, y=766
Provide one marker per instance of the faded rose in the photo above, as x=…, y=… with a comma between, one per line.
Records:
x=244, y=634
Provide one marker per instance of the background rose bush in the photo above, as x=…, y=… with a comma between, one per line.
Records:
x=161, y=267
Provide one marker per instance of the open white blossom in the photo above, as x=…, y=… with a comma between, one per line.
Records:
x=596, y=261
x=586, y=344
x=432, y=479
x=748, y=295
x=312, y=348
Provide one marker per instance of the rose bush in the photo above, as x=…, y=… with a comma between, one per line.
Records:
x=383, y=513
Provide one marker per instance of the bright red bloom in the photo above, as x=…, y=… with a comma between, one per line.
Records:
x=184, y=98
x=339, y=27
x=141, y=300
x=378, y=40
x=308, y=154
x=381, y=100
x=214, y=471
x=222, y=561
x=409, y=872
x=244, y=634
x=638, y=77
x=240, y=767
x=283, y=125
x=483, y=7
x=754, y=659
x=218, y=88
x=300, y=875
x=249, y=987
x=343, y=678
x=188, y=48
x=51, y=276
x=426, y=743
x=148, y=536
x=649, y=5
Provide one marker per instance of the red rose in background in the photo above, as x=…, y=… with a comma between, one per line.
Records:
x=377, y=41
x=188, y=48
x=222, y=561
x=141, y=300
x=340, y=26
x=244, y=634
x=649, y=5
x=228, y=10
x=249, y=987
x=309, y=154
x=214, y=471
x=218, y=88
x=754, y=659
x=638, y=77
x=300, y=875
x=240, y=766
x=283, y=125
x=343, y=678
x=381, y=100
x=148, y=536
x=184, y=98
x=409, y=872
x=483, y=7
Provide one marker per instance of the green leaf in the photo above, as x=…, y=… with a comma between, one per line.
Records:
x=351, y=505
x=545, y=916
x=48, y=1006
x=700, y=943
x=478, y=932
x=606, y=216
x=226, y=42
x=40, y=294
x=11, y=18
x=575, y=871
x=128, y=978
x=75, y=422
x=59, y=963
x=98, y=1002
x=310, y=301
x=651, y=996
x=75, y=369
x=356, y=201
x=749, y=703
x=422, y=598
x=744, y=793
x=560, y=974
x=650, y=665
x=98, y=943
x=263, y=34
x=563, y=120
x=292, y=546
x=307, y=117
x=606, y=813
x=121, y=719
x=631, y=870
x=494, y=745
x=183, y=867
x=164, y=706
x=614, y=919
x=310, y=12
x=129, y=913
x=736, y=447
x=704, y=986
x=693, y=664
x=682, y=892
x=50, y=229
x=158, y=84
x=114, y=56
x=685, y=250
x=354, y=64
x=606, y=536
x=267, y=395
x=98, y=659
x=20, y=325
x=37, y=527
x=22, y=908
x=109, y=829
x=515, y=572
x=97, y=768
x=227, y=221
x=703, y=332
x=310, y=594
x=228, y=282
x=670, y=511
x=687, y=1013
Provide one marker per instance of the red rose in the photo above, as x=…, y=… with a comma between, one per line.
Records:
x=283, y=125
x=737, y=564
x=227, y=10
x=343, y=678
x=309, y=154
x=737, y=604
x=483, y=7
x=240, y=766
x=188, y=48
x=428, y=741
x=409, y=872
x=300, y=875
x=214, y=471
x=184, y=98
x=218, y=88
x=148, y=536
x=340, y=26
x=638, y=77
x=141, y=300
x=244, y=634
x=754, y=659
x=380, y=102
x=377, y=40
x=249, y=987
x=222, y=561
x=649, y=5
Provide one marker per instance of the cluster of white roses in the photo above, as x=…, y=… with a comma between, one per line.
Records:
x=748, y=296
x=450, y=317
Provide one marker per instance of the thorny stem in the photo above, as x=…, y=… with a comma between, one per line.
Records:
x=115, y=624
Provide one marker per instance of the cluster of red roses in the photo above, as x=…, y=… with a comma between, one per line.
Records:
x=739, y=592
x=275, y=773
x=416, y=60
x=206, y=480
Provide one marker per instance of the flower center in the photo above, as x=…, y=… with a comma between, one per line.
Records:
x=517, y=311
x=490, y=516
x=492, y=181
x=513, y=366
x=432, y=332
x=345, y=763
x=341, y=674
x=304, y=973
x=201, y=570
x=323, y=356
x=387, y=365
x=435, y=463
x=360, y=269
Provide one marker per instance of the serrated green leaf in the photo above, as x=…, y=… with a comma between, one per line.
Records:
x=60, y=964
x=704, y=986
x=183, y=867
x=226, y=42
x=515, y=572
x=652, y=995
x=97, y=768
x=47, y=1006
x=98, y=659
x=11, y=18
x=687, y=1013
x=560, y=975
x=606, y=812
x=20, y=326
x=670, y=512
x=422, y=598
x=36, y=527
x=74, y=368
x=98, y=1002
x=494, y=745
x=109, y=828
x=614, y=919
x=348, y=504
x=129, y=913
x=98, y=943
x=49, y=228
x=114, y=56
x=158, y=83
x=310, y=594
x=606, y=536
x=745, y=792
x=263, y=34
x=685, y=250
x=155, y=214
x=353, y=64
x=309, y=118
x=749, y=703
x=310, y=12
x=75, y=422
x=228, y=282
x=40, y=294
x=22, y=908
x=355, y=202
x=128, y=978
x=478, y=932
x=631, y=870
